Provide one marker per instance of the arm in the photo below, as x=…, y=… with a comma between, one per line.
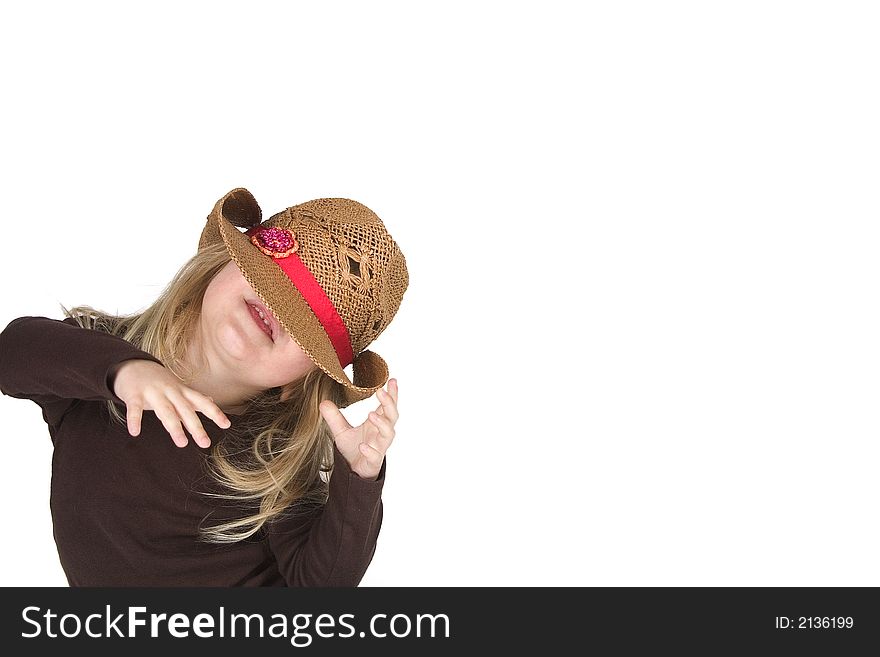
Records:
x=334, y=545
x=54, y=362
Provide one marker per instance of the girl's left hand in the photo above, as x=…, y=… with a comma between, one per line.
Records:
x=364, y=446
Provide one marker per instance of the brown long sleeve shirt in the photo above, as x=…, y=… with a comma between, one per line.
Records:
x=124, y=509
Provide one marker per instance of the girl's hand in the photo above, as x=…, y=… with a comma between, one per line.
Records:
x=147, y=386
x=364, y=446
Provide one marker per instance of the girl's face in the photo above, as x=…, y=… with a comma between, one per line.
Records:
x=233, y=334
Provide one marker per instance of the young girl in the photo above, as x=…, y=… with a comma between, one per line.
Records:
x=253, y=332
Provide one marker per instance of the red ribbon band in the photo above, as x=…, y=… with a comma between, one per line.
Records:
x=318, y=301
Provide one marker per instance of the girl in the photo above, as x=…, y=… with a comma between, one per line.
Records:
x=253, y=332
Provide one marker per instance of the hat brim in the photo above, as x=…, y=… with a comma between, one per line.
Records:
x=283, y=299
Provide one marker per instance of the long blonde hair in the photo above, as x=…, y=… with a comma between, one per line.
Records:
x=278, y=452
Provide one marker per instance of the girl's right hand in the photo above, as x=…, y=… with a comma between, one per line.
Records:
x=145, y=385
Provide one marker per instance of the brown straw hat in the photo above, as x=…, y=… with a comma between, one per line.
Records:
x=327, y=270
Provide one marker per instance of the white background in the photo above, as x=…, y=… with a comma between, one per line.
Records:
x=640, y=342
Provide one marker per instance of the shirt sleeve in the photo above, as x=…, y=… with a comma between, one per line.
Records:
x=333, y=545
x=56, y=362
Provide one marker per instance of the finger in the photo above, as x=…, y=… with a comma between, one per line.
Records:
x=373, y=455
x=170, y=420
x=381, y=395
x=191, y=421
x=376, y=442
x=386, y=429
x=334, y=417
x=393, y=389
x=206, y=405
x=133, y=415
x=188, y=416
x=389, y=407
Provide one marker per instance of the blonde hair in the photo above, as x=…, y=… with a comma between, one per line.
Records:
x=279, y=451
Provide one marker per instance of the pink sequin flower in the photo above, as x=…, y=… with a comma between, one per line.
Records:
x=274, y=241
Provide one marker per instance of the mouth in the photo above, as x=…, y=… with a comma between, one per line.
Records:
x=266, y=322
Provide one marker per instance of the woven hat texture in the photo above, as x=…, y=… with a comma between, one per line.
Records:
x=346, y=248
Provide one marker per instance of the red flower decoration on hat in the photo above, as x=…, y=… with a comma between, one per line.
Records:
x=274, y=241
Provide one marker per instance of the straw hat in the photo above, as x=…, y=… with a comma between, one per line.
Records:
x=329, y=272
